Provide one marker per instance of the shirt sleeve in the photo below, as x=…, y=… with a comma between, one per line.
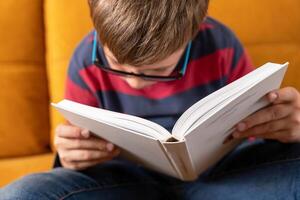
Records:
x=76, y=87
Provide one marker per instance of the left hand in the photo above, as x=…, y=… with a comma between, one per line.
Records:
x=279, y=121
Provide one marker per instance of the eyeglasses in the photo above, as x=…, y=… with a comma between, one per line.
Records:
x=175, y=75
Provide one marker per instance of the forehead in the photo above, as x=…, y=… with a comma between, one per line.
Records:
x=167, y=62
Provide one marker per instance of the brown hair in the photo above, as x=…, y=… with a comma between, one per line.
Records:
x=141, y=32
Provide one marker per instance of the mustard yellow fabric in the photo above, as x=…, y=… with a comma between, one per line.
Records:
x=24, y=116
x=268, y=29
x=14, y=168
x=67, y=22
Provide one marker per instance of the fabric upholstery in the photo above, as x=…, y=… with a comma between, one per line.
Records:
x=16, y=167
x=64, y=32
x=24, y=117
x=269, y=30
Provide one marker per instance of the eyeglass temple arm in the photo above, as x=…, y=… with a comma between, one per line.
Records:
x=94, y=47
x=187, y=55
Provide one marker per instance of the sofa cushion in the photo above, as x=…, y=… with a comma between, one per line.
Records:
x=64, y=32
x=13, y=168
x=24, y=116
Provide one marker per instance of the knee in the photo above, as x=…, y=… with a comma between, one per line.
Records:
x=29, y=187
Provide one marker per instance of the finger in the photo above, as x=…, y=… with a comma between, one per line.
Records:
x=85, y=155
x=268, y=114
x=84, y=164
x=284, y=95
x=282, y=136
x=91, y=143
x=272, y=126
x=69, y=131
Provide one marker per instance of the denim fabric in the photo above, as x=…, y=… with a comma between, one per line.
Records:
x=257, y=170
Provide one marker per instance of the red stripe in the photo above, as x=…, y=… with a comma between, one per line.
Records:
x=204, y=26
x=199, y=72
x=243, y=67
x=75, y=93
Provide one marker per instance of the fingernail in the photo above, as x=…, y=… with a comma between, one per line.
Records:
x=272, y=97
x=85, y=133
x=241, y=126
x=109, y=146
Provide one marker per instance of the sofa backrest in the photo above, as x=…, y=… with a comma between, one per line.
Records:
x=270, y=30
x=66, y=22
x=24, y=114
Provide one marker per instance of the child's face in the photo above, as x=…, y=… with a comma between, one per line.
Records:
x=162, y=68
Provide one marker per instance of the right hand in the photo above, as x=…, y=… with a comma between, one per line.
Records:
x=78, y=149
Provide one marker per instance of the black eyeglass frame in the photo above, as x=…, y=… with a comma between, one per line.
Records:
x=178, y=74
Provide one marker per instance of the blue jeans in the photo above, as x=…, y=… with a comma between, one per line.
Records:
x=258, y=170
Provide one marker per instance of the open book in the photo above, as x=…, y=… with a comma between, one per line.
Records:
x=197, y=138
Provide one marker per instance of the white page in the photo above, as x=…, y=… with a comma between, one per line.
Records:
x=205, y=104
x=202, y=107
x=140, y=148
x=265, y=85
x=198, y=120
x=136, y=124
x=205, y=141
x=199, y=111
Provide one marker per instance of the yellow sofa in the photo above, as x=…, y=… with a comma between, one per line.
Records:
x=37, y=40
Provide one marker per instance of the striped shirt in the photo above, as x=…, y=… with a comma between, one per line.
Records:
x=216, y=59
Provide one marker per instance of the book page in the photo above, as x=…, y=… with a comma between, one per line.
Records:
x=205, y=104
x=201, y=108
x=206, y=136
x=129, y=122
x=140, y=148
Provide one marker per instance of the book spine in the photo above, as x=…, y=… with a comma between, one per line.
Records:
x=178, y=155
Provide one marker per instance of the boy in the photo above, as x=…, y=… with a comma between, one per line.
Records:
x=154, y=59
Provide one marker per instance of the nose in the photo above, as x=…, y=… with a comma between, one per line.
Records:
x=135, y=70
x=135, y=82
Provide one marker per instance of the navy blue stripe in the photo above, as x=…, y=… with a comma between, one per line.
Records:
x=208, y=41
x=237, y=55
x=83, y=52
x=81, y=59
x=74, y=76
x=231, y=40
